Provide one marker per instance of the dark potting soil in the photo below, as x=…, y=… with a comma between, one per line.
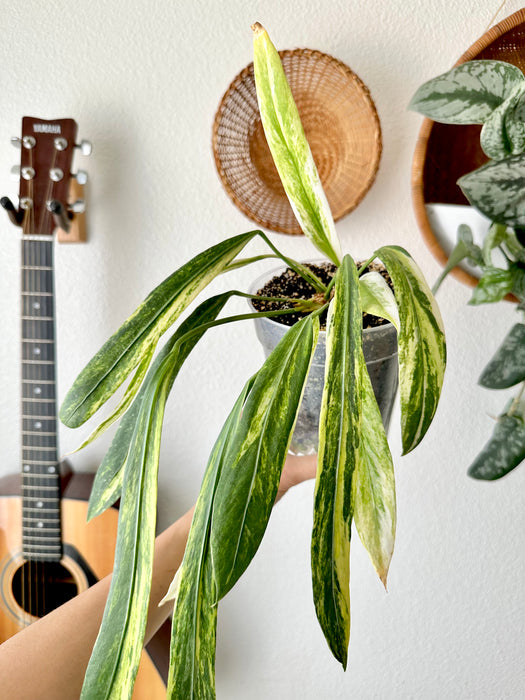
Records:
x=290, y=284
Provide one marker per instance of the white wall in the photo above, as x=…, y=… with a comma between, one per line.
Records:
x=144, y=80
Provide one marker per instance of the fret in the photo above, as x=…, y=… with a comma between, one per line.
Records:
x=40, y=363
x=42, y=518
x=31, y=399
x=38, y=432
x=36, y=267
x=36, y=462
x=38, y=294
x=29, y=545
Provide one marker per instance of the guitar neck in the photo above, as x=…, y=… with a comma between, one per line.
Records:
x=40, y=472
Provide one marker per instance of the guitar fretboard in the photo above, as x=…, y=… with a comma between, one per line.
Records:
x=40, y=472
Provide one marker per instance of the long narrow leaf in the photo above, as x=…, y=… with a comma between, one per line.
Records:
x=289, y=147
x=193, y=637
x=126, y=348
x=256, y=453
x=374, y=494
x=108, y=479
x=377, y=297
x=114, y=662
x=421, y=343
x=338, y=445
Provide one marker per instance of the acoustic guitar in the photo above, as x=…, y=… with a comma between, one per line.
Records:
x=48, y=551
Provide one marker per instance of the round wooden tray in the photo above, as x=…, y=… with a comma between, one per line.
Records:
x=340, y=123
x=445, y=152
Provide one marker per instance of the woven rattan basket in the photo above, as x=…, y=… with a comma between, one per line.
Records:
x=445, y=152
x=340, y=123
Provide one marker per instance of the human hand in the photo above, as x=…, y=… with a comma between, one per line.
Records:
x=296, y=470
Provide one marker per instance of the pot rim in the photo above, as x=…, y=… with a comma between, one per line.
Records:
x=265, y=276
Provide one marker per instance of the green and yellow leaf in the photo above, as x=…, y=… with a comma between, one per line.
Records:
x=193, y=639
x=337, y=457
x=421, y=345
x=256, y=452
x=289, y=148
x=108, y=480
x=141, y=332
x=374, y=494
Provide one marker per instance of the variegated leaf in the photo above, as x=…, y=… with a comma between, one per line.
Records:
x=464, y=248
x=377, y=297
x=127, y=347
x=507, y=367
x=496, y=189
x=114, y=662
x=256, y=452
x=193, y=634
x=503, y=452
x=108, y=480
x=421, y=345
x=289, y=148
x=503, y=133
x=494, y=284
x=374, y=493
x=467, y=94
x=337, y=455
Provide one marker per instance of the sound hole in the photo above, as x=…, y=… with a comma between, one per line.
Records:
x=40, y=587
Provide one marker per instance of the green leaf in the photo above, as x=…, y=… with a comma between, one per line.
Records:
x=374, y=494
x=136, y=337
x=464, y=248
x=507, y=367
x=496, y=235
x=114, y=662
x=256, y=452
x=514, y=247
x=494, y=284
x=377, y=298
x=503, y=452
x=421, y=343
x=337, y=455
x=467, y=94
x=108, y=479
x=496, y=189
x=130, y=393
x=193, y=635
x=503, y=134
x=289, y=148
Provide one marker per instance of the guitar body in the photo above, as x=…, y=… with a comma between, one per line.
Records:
x=89, y=549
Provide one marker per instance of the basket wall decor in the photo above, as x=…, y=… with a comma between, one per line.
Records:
x=445, y=152
x=340, y=123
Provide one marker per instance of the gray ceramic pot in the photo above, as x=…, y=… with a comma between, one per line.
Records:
x=380, y=351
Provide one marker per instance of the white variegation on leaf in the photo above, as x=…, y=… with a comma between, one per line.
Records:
x=373, y=484
x=421, y=343
x=289, y=148
x=496, y=189
x=467, y=94
x=377, y=298
x=503, y=133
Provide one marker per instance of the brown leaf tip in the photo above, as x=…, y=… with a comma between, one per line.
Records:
x=257, y=28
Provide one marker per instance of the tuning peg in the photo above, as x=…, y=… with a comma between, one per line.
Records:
x=61, y=217
x=85, y=147
x=26, y=141
x=81, y=177
x=15, y=216
x=26, y=172
x=77, y=207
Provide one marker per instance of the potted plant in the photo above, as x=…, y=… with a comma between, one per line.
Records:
x=355, y=479
x=492, y=93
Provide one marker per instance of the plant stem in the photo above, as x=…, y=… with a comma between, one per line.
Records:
x=301, y=270
x=516, y=401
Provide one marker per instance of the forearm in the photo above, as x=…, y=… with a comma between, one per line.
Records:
x=48, y=659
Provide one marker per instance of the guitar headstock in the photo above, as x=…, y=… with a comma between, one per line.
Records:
x=46, y=182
